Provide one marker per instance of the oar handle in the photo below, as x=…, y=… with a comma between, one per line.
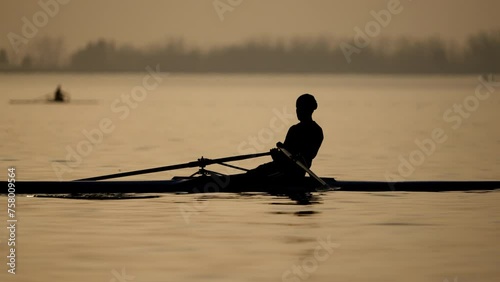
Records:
x=300, y=164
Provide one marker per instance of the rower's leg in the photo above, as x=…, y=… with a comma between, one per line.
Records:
x=265, y=170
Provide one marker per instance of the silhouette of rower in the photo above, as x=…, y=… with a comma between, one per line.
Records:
x=59, y=95
x=303, y=141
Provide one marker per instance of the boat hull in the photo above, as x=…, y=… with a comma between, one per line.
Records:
x=51, y=101
x=239, y=184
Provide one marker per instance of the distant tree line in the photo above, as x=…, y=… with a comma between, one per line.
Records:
x=480, y=53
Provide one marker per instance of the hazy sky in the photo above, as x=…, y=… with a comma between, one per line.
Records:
x=144, y=22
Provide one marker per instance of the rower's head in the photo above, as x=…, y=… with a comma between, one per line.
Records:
x=306, y=104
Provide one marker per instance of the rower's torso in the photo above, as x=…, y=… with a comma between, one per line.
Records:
x=304, y=138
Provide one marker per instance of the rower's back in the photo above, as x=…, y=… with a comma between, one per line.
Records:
x=304, y=139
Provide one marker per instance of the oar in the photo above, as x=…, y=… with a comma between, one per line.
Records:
x=301, y=165
x=199, y=163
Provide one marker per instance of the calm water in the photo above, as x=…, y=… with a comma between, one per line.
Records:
x=375, y=126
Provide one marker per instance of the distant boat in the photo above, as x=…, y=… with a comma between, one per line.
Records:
x=53, y=101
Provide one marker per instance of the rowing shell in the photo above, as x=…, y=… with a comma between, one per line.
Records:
x=240, y=184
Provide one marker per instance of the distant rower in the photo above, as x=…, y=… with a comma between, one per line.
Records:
x=59, y=95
